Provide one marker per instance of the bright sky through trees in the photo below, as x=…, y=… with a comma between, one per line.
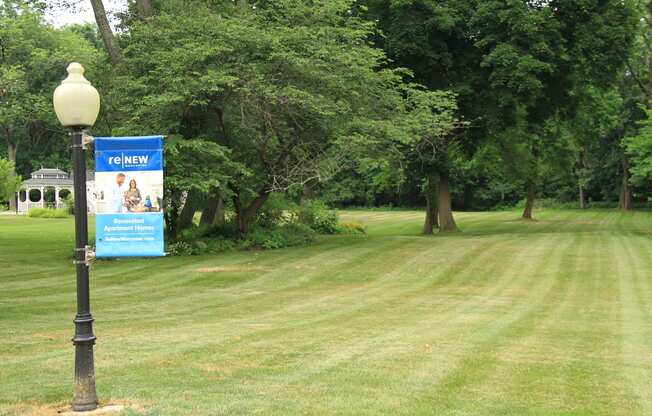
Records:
x=83, y=13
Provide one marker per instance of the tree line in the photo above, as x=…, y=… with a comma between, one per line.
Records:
x=467, y=104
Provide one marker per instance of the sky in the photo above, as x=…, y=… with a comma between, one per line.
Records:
x=83, y=13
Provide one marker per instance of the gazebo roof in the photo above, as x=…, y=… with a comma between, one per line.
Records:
x=49, y=177
x=53, y=177
x=48, y=182
x=46, y=172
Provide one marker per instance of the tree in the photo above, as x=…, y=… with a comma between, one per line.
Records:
x=639, y=148
x=430, y=123
x=434, y=40
x=145, y=8
x=597, y=116
x=191, y=168
x=538, y=52
x=110, y=44
x=9, y=182
x=33, y=56
x=280, y=87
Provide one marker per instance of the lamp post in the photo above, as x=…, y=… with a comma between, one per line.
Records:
x=77, y=105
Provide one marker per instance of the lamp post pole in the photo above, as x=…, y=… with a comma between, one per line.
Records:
x=77, y=104
x=85, y=395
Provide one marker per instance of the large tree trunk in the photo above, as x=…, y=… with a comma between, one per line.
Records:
x=11, y=156
x=112, y=48
x=193, y=201
x=171, y=215
x=246, y=217
x=444, y=206
x=145, y=9
x=213, y=213
x=431, y=222
x=582, y=197
x=308, y=193
x=529, y=202
x=625, y=199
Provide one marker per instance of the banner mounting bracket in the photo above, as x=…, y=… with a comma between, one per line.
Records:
x=88, y=257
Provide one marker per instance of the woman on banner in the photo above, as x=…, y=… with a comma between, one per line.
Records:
x=132, y=197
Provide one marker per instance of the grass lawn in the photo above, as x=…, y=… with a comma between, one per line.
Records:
x=552, y=317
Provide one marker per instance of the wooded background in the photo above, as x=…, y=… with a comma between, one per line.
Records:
x=449, y=104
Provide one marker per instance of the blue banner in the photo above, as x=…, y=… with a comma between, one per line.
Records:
x=129, y=196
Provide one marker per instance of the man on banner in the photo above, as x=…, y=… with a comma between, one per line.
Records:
x=117, y=194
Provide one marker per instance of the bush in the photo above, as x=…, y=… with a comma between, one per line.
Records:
x=504, y=206
x=217, y=245
x=285, y=235
x=316, y=215
x=196, y=247
x=47, y=213
x=180, y=248
x=602, y=204
x=276, y=210
x=68, y=203
x=550, y=203
x=351, y=228
x=226, y=230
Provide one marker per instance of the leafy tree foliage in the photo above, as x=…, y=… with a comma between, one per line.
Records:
x=8, y=180
x=277, y=87
x=33, y=57
x=455, y=103
x=639, y=148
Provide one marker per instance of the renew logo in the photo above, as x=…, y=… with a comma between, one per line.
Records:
x=128, y=160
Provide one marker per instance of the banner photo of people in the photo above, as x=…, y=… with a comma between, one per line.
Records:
x=129, y=188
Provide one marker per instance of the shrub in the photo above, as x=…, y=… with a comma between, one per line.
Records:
x=180, y=248
x=47, y=213
x=226, y=230
x=276, y=210
x=550, y=203
x=199, y=247
x=194, y=248
x=285, y=235
x=316, y=215
x=68, y=203
x=603, y=204
x=504, y=206
x=217, y=245
x=191, y=233
x=351, y=228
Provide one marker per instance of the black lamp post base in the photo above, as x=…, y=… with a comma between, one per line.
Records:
x=84, y=407
x=85, y=395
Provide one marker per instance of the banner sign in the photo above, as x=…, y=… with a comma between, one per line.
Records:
x=129, y=195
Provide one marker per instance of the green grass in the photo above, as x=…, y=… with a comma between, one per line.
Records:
x=552, y=317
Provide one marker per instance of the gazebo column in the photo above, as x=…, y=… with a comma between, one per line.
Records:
x=22, y=205
x=42, y=197
x=56, y=197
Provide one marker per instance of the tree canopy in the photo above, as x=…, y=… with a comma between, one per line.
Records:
x=447, y=104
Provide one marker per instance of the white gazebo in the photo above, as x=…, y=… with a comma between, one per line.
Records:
x=45, y=189
x=48, y=187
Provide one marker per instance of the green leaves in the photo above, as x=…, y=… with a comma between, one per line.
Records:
x=639, y=148
x=33, y=59
x=9, y=182
x=197, y=165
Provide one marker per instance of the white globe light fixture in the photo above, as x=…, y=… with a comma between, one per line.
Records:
x=76, y=101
